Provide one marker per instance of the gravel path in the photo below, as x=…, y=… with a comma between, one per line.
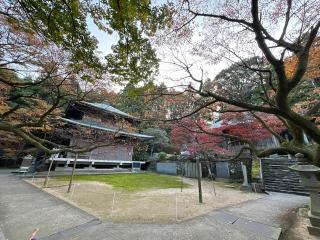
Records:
x=23, y=207
x=168, y=205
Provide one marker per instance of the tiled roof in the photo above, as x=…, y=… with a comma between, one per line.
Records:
x=109, y=108
x=100, y=127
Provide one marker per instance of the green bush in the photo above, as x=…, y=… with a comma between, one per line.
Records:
x=171, y=157
x=162, y=156
x=255, y=169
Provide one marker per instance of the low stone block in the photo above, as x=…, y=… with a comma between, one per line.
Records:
x=246, y=188
x=314, y=231
x=314, y=220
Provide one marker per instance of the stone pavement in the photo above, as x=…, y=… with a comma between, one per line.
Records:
x=23, y=207
x=273, y=209
x=1, y=235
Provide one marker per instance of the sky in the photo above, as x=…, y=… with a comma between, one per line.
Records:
x=105, y=40
x=168, y=73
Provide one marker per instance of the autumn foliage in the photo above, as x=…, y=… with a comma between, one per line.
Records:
x=248, y=127
x=186, y=136
x=313, y=67
x=197, y=135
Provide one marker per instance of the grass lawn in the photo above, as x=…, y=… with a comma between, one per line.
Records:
x=133, y=182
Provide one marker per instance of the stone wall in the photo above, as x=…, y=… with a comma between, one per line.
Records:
x=228, y=170
x=277, y=177
x=167, y=168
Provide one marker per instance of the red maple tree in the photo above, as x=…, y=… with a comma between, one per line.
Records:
x=187, y=136
x=198, y=136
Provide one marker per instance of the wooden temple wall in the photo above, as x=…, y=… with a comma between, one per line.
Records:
x=118, y=152
x=112, y=123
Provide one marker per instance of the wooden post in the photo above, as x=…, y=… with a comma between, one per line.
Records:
x=182, y=170
x=72, y=174
x=113, y=200
x=151, y=150
x=199, y=179
x=211, y=175
x=176, y=207
x=45, y=184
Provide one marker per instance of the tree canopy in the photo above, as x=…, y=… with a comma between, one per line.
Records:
x=270, y=81
x=282, y=35
x=49, y=57
x=159, y=141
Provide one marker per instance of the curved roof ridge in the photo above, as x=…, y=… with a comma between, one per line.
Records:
x=103, y=128
x=109, y=108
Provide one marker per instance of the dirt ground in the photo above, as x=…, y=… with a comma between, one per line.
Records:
x=158, y=205
x=299, y=230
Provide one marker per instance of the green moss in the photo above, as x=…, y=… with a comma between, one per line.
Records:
x=132, y=182
x=255, y=169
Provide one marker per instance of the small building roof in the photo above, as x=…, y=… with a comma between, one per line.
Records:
x=216, y=124
x=108, y=108
x=103, y=128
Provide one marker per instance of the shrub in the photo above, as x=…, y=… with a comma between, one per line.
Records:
x=162, y=156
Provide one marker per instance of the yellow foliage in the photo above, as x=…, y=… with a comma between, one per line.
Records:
x=313, y=68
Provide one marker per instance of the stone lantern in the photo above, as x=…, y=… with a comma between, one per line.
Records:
x=28, y=162
x=309, y=179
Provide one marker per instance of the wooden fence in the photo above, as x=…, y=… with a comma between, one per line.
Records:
x=190, y=170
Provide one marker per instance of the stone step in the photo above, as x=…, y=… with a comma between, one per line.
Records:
x=67, y=233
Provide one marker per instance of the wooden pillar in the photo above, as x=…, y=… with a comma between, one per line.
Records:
x=211, y=175
x=182, y=165
x=72, y=174
x=199, y=179
x=45, y=184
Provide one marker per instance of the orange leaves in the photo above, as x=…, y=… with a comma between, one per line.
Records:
x=124, y=125
x=3, y=106
x=25, y=114
x=313, y=68
x=9, y=145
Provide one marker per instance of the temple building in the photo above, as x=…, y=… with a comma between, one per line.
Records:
x=85, y=124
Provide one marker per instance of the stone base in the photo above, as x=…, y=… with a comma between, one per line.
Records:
x=314, y=220
x=246, y=188
x=315, y=231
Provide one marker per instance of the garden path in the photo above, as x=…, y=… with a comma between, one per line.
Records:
x=23, y=207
